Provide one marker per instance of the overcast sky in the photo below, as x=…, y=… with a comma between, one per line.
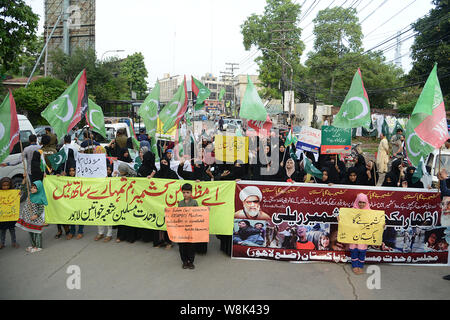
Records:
x=195, y=37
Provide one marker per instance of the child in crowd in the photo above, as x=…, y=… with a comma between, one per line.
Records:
x=32, y=213
x=71, y=171
x=358, y=251
x=6, y=184
x=187, y=250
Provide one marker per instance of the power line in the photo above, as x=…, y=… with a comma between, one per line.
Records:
x=374, y=11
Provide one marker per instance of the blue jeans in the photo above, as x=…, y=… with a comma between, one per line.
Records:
x=80, y=229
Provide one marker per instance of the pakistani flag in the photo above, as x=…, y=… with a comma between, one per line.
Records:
x=201, y=92
x=148, y=111
x=172, y=113
x=290, y=139
x=95, y=118
x=428, y=117
x=416, y=148
x=252, y=107
x=66, y=111
x=310, y=168
x=355, y=110
x=9, y=126
x=57, y=159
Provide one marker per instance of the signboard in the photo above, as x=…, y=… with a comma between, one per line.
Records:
x=231, y=148
x=188, y=224
x=91, y=165
x=298, y=222
x=336, y=140
x=361, y=226
x=309, y=139
x=9, y=205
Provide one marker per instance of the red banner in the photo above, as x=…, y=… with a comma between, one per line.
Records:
x=298, y=222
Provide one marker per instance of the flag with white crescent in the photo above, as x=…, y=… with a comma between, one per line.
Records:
x=9, y=126
x=66, y=111
x=148, y=111
x=172, y=113
x=57, y=159
x=95, y=118
x=355, y=110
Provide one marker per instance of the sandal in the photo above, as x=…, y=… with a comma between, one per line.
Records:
x=98, y=237
x=33, y=250
x=107, y=239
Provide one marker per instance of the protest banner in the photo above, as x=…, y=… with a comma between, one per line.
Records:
x=309, y=139
x=187, y=224
x=361, y=226
x=136, y=202
x=336, y=140
x=282, y=218
x=231, y=148
x=91, y=165
x=9, y=205
x=169, y=135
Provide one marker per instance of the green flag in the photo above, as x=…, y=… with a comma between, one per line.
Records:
x=148, y=111
x=57, y=159
x=252, y=108
x=172, y=113
x=95, y=118
x=355, y=110
x=311, y=169
x=416, y=148
x=9, y=126
x=201, y=92
x=221, y=94
x=66, y=111
x=290, y=139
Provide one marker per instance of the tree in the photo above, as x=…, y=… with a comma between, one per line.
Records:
x=37, y=96
x=105, y=81
x=432, y=45
x=18, y=25
x=338, y=33
x=276, y=34
x=134, y=70
x=338, y=53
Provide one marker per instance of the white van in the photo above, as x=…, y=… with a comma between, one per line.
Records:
x=436, y=162
x=111, y=131
x=16, y=172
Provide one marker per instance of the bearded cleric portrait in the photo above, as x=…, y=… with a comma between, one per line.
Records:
x=251, y=198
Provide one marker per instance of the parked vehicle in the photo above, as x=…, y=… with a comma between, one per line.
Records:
x=16, y=172
x=437, y=161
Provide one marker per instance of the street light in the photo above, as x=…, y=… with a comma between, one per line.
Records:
x=111, y=51
x=292, y=72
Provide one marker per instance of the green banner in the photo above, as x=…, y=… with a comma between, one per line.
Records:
x=136, y=202
x=336, y=140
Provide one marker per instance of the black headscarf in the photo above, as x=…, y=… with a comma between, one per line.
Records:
x=393, y=179
x=148, y=164
x=409, y=175
x=122, y=157
x=347, y=177
x=36, y=172
x=70, y=162
x=165, y=172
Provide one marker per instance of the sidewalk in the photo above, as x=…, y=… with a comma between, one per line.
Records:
x=139, y=271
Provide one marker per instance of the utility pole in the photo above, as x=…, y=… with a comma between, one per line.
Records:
x=233, y=66
x=282, y=43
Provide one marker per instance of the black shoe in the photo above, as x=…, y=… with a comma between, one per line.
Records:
x=185, y=265
x=191, y=265
x=447, y=277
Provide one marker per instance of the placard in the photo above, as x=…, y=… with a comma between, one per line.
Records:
x=187, y=224
x=309, y=139
x=231, y=148
x=91, y=165
x=361, y=226
x=9, y=205
x=336, y=140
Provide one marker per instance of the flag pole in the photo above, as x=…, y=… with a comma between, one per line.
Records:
x=27, y=179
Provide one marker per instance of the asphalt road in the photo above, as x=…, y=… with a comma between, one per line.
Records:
x=140, y=271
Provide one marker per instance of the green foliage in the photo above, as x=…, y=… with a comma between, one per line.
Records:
x=133, y=69
x=277, y=35
x=432, y=45
x=37, y=96
x=18, y=25
x=104, y=79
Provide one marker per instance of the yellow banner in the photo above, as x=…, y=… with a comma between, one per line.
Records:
x=361, y=226
x=9, y=205
x=136, y=202
x=231, y=148
x=169, y=135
